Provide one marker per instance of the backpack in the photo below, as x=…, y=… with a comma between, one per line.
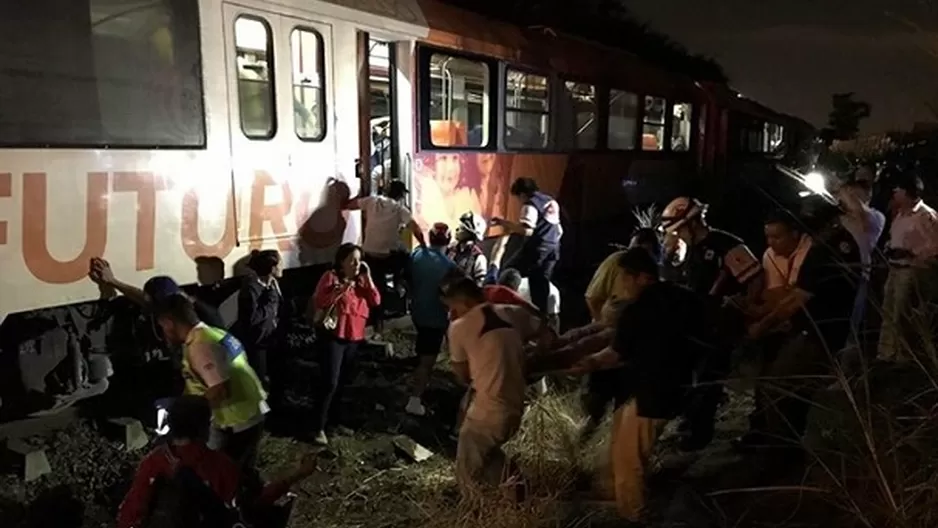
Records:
x=183, y=500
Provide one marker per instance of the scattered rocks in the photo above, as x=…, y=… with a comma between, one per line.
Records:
x=413, y=450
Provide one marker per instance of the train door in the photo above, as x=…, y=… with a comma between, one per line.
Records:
x=283, y=151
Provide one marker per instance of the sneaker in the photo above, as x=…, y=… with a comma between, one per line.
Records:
x=415, y=407
x=321, y=439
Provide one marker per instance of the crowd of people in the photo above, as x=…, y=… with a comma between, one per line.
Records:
x=668, y=312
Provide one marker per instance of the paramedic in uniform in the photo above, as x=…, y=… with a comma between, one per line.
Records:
x=381, y=241
x=541, y=229
x=719, y=265
x=215, y=366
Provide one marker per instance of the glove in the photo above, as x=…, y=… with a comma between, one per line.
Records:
x=492, y=276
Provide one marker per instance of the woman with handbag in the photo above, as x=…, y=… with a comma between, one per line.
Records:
x=340, y=307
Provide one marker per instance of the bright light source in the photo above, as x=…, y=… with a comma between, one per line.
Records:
x=804, y=194
x=815, y=182
x=162, y=427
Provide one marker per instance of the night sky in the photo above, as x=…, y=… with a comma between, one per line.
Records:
x=791, y=55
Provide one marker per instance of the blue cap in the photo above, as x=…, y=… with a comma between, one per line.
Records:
x=160, y=287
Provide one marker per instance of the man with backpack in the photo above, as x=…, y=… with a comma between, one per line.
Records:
x=184, y=483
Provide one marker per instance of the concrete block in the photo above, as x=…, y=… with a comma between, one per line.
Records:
x=128, y=431
x=412, y=449
x=29, y=459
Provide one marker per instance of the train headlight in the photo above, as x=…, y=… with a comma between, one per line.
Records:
x=816, y=182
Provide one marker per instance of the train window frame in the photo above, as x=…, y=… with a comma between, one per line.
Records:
x=190, y=37
x=271, y=76
x=424, y=54
x=637, y=121
x=504, y=108
x=600, y=114
x=664, y=145
x=323, y=96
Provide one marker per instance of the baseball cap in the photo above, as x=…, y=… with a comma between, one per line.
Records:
x=161, y=287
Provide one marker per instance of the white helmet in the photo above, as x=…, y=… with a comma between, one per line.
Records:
x=473, y=223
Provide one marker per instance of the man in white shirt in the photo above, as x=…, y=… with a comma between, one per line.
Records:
x=385, y=216
x=486, y=344
x=911, y=288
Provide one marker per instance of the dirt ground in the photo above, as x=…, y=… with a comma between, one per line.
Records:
x=371, y=484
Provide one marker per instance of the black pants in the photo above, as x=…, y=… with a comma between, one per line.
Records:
x=242, y=447
x=705, y=398
x=337, y=368
x=429, y=341
x=601, y=389
x=257, y=358
x=385, y=269
x=538, y=266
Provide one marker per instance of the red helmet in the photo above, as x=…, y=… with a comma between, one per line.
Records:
x=439, y=235
x=680, y=211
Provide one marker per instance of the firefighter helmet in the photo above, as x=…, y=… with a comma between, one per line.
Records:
x=473, y=223
x=680, y=211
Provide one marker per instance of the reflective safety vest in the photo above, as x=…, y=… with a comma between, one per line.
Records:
x=245, y=392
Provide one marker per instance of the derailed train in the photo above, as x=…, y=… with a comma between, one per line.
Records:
x=175, y=136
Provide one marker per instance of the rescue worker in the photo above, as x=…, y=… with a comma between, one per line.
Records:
x=381, y=241
x=720, y=265
x=487, y=349
x=467, y=252
x=814, y=317
x=540, y=226
x=659, y=339
x=429, y=266
x=604, y=300
x=215, y=366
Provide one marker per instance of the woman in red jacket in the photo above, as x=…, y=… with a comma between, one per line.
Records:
x=343, y=299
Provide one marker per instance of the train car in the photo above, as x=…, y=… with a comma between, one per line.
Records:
x=173, y=136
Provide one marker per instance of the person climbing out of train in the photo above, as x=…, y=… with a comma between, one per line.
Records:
x=429, y=266
x=604, y=299
x=719, y=265
x=660, y=336
x=383, y=249
x=259, y=304
x=339, y=308
x=467, y=251
x=215, y=366
x=540, y=226
x=487, y=349
x=154, y=289
x=183, y=479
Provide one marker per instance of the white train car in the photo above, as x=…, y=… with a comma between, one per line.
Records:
x=155, y=132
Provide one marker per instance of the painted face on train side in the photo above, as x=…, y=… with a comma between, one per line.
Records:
x=447, y=172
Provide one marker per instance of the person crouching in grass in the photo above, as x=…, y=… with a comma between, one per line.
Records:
x=487, y=348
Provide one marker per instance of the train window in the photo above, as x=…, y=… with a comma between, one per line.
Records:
x=774, y=136
x=98, y=74
x=308, y=97
x=255, y=62
x=681, y=127
x=623, y=120
x=459, y=102
x=578, y=117
x=527, y=102
x=654, y=123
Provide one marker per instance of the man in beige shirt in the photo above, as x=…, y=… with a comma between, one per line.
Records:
x=486, y=344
